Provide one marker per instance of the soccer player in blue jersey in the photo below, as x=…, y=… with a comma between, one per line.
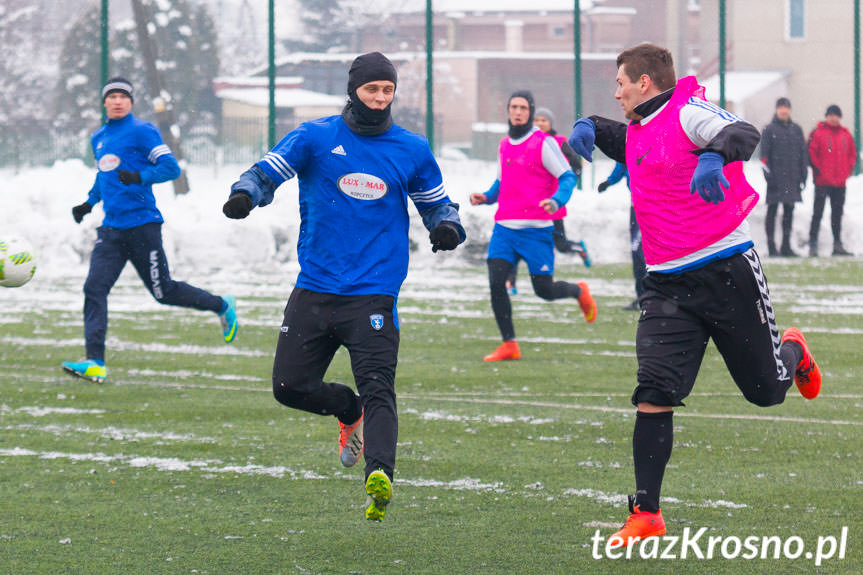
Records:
x=131, y=157
x=356, y=172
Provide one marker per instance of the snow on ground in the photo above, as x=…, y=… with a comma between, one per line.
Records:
x=36, y=204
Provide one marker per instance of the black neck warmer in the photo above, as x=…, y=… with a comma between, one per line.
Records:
x=363, y=120
x=518, y=132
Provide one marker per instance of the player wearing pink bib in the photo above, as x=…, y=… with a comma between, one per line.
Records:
x=704, y=278
x=534, y=184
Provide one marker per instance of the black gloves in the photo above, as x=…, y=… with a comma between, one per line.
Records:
x=602, y=187
x=78, y=212
x=238, y=206
x=444, y=237
x=128, y=177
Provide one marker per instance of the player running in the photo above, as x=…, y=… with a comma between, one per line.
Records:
x=131, y=157
x=356, y=172
x=704, y=280
x=544, y=120
x=534, y=184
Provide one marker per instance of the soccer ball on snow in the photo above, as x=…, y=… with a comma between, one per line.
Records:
x=17, y=262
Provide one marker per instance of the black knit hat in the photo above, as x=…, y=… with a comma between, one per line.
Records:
x=118, y=84
x=371, y=67
x=527, y=96
x=521, y=130
x=783, y=102
x=833, y=110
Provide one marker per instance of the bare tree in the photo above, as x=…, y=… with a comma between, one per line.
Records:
x=161, y=98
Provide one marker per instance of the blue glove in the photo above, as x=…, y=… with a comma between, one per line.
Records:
x=708, y=179
x=582, y=137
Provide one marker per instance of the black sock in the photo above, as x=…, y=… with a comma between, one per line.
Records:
x=791, y=353
x=353, y=413
x=652, y=441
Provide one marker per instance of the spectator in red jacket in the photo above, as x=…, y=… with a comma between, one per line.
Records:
x=832, y=154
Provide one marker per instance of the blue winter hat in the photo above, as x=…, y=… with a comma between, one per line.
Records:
x=118, y=84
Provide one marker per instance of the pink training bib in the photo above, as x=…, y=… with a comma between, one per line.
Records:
x=674, y=222
x=524, y=181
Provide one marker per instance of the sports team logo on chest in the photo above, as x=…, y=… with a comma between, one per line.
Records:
x=363, y=186
x=377, y=321
x=108, y=162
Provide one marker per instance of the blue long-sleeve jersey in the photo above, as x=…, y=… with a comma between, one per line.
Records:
x=617, y=174
x=134, y=145
x=353, y=237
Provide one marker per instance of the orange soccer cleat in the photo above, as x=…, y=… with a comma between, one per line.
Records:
x=639, y=526
x=351, y=442
x=507, y=350
x=587, y=303
x=807, y=376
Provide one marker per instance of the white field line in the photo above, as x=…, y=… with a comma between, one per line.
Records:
x=631, y=410
x=452, y=395
x=40, y=411
x=600, y=408
x=119, y=345
x=113, y=433
x=187, y=373
x=214, y=466
x=163, y=384
x=618, y=498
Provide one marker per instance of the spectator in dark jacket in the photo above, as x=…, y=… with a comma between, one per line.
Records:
x=833, y=154
x=785, y=159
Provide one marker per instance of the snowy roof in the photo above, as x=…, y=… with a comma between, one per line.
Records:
x=611, y=10
x=255, y=80
x=285, y=98
x=347, y=57
x=740, y=85
x=483, y=6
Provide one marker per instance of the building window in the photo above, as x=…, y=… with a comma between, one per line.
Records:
x=795, y=19
x=558, y=31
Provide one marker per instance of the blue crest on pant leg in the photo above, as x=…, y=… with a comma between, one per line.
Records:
x=377, y=321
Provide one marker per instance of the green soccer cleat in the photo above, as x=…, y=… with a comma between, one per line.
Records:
x=92, y=369
x=380, y=491
x=228, y=317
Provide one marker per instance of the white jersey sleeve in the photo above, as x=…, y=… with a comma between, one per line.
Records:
x=553, y=159
x=702, y=120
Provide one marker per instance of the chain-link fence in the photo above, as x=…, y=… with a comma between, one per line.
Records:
x=41, y=143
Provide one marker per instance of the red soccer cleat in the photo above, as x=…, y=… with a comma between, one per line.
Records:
x=351, y=442
x=807, y=376
x=507, y=350
x=639, y=526
x=587, y=303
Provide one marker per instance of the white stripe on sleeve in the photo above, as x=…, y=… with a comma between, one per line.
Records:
x=702, y=120
x=279, y=164
x=158, y=152
x=429, y=196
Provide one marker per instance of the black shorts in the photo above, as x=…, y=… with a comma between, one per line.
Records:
x=727, y=301
x=317, y=324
